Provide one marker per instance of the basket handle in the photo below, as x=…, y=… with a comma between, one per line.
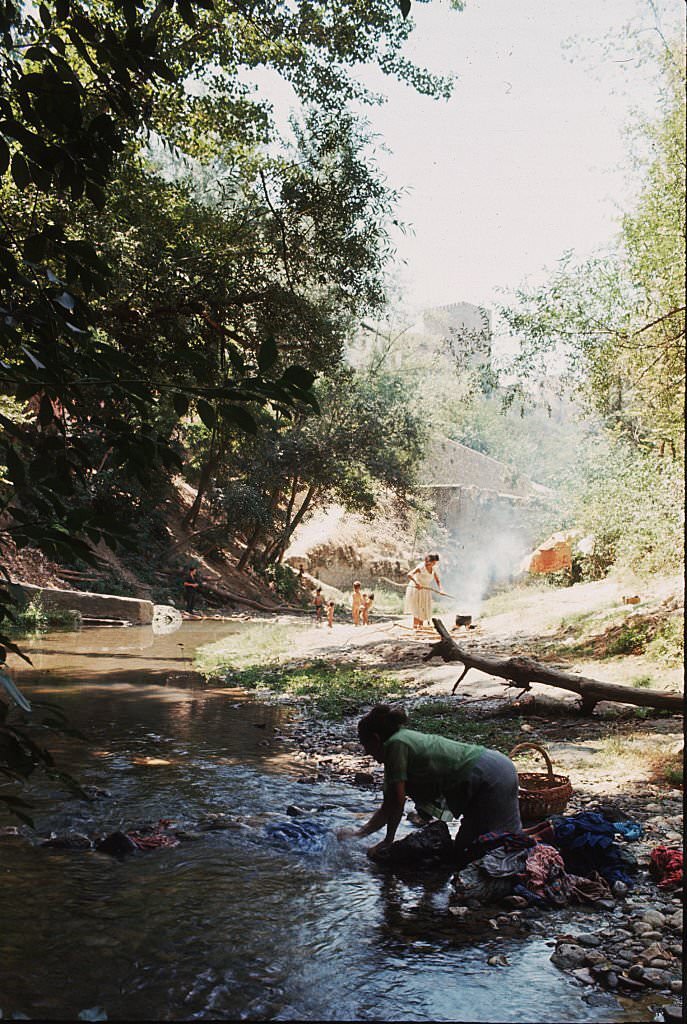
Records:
x=534, y=746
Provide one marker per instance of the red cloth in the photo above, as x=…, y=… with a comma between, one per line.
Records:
x=665, y=865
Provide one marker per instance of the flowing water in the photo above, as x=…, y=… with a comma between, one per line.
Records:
x=229, y=925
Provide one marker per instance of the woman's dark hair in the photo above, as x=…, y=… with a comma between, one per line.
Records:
x=431, y=558
x=383, y=721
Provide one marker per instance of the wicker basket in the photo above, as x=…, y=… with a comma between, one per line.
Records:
x=541, y=795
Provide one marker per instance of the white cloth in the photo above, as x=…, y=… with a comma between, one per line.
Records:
x=418, y=602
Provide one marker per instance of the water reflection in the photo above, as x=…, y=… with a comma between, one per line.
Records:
x=228, y=925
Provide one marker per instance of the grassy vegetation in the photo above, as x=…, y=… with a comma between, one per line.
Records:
x=668, y=646
x=36, y=618
x=334, y=691
x=259, y=643
x=448, y=720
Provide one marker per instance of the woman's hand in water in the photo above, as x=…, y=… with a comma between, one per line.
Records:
x=347, y=833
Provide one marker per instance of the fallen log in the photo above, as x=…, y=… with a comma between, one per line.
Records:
x=521, y=672
x=224, y=595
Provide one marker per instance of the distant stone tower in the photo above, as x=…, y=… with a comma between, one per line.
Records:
x=465, y=329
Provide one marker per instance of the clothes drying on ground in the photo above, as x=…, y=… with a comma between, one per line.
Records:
x=586, y=841
x=665, y=866
x=546, y=876
x=629, y=830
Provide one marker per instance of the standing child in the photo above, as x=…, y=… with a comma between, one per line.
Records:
x=368, y=601
x=330, y=614
x=319, y=605
x=357, y=603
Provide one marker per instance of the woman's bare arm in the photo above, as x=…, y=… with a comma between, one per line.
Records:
x=389, y=814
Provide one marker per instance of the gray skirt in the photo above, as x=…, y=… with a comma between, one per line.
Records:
x=488, y=798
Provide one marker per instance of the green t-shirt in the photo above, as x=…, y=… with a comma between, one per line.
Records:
x=432, y=768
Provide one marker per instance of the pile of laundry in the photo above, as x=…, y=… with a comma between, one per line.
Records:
x=564, y=859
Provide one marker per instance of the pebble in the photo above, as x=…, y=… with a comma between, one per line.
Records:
x=659, y=979
x=672, y=1014
x=654, y=917
x=676, y=986
x=641, y=927
x=588, y=939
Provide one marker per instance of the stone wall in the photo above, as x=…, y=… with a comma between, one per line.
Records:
x=97, y=606
x=450, y=464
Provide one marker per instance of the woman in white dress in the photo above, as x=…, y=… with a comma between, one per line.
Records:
x=423, y=580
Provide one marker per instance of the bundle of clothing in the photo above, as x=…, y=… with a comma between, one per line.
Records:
x=665, y=866
x=563, y=859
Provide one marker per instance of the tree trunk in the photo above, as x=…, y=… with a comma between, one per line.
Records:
x=225, y=595
x=277, y=547
x=288, y=532
x=209, y=467
x=523, y=671
x=258, y=531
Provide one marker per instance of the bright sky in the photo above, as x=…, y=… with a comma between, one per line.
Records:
x=527, y=159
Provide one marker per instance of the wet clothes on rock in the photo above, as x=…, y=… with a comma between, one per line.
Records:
x=429, y=846
x=418, y=602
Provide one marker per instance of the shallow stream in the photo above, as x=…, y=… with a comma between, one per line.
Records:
x=228, y=925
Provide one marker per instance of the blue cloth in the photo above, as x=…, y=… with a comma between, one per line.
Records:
x=586, y=841
x=303, y=835
x=629, y=830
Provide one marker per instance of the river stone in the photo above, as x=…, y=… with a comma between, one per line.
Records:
x=568, y=954
x=583, y=975
x=675, y=920
x=659, y=979
x=636, y=972
x=654, y=918
x=655, y=950
x=672, y=1014
x=588, y=939
x=676, y=986
x=653, y=936
x=594, y=956
x=363, y=779
x=641, y=927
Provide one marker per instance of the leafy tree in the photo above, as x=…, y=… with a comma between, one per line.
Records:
x=619, y=319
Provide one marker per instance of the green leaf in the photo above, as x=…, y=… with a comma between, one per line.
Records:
x=206, y=413
x=299, y=376
x=180, y=403
x=4, y=156
x=95, y=194
x=20, y=171
x=187, y=13
x=34, y=248
x=240, y=416
x=405, y=7
x=268, y=354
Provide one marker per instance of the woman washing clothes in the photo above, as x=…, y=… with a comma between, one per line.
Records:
x=469, y=780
